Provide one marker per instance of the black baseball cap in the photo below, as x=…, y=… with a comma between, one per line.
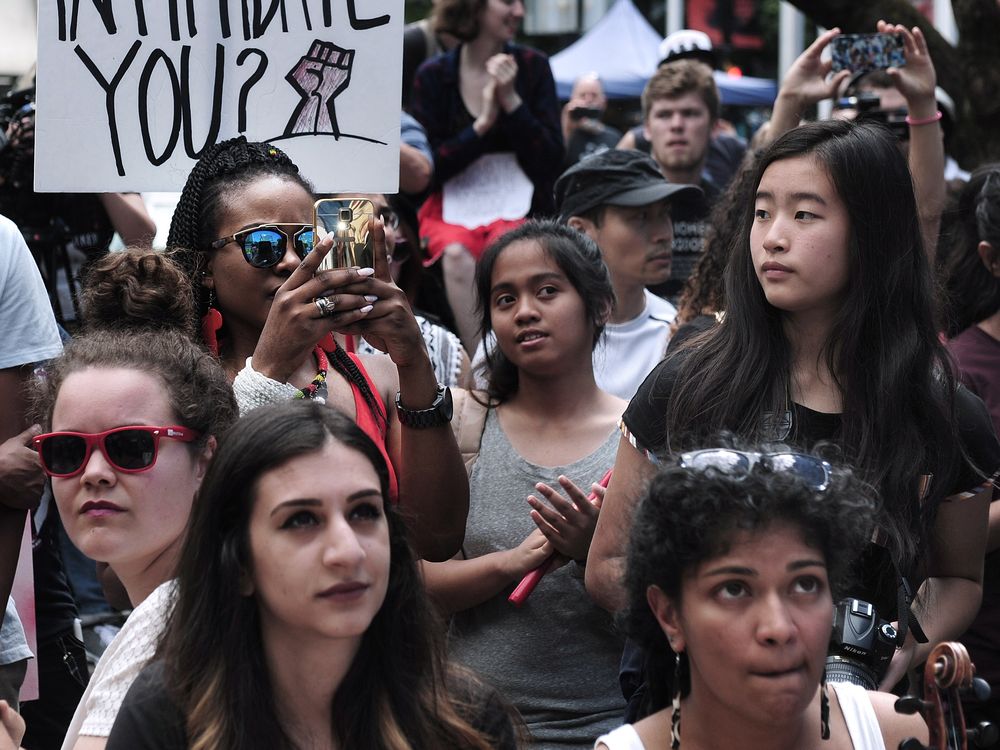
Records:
x=618, y=177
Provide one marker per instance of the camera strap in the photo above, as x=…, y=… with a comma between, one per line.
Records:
x=907, y=620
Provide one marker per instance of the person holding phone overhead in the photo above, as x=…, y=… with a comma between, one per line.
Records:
x=243, y=232
x=808, y=81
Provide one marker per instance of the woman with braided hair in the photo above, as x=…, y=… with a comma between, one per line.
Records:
x=242, y=230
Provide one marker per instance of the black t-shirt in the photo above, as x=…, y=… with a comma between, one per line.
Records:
x=150, y=720
x=645, y=420
x=583, y=143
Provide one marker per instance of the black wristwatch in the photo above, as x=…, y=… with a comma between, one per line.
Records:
x=437, y=414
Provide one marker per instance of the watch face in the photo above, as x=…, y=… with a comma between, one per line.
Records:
x=447, y=408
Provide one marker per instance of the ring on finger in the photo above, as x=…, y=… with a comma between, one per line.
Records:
x=326, y=306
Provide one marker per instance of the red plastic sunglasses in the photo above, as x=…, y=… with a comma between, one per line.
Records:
x=130, y=450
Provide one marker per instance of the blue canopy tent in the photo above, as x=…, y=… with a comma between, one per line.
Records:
x=622, y=48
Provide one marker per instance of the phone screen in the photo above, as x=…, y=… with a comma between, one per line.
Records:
x=862, y=53
x=348, y=220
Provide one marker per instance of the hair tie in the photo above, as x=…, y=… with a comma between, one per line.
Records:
x=924, y=121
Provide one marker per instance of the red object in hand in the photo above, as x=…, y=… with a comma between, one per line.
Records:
x=527, y=585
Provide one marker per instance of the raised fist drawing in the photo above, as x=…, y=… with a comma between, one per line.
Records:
x=319, y=77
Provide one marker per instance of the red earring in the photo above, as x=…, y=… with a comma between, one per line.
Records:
x=211, y=322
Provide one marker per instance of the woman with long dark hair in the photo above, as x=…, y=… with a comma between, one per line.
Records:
x=242, y=230
x=829, y=335
x=548, y=430
x=735, y=563
x=300, y=619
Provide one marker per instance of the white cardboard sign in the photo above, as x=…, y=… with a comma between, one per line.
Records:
x=130, y=92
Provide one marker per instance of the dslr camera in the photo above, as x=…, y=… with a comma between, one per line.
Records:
x=861, y=644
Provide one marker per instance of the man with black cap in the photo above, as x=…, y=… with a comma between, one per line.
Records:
x=623, y=202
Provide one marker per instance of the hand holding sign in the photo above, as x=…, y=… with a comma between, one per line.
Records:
x=319, y=77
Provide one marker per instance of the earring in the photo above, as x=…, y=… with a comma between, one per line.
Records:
x=211, y=322
x=675, y=716
x=824, y=710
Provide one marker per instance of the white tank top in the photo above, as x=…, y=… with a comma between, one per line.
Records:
x=856, y=706
x=862, y=724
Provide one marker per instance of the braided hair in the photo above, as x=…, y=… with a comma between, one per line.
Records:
x=222, y=170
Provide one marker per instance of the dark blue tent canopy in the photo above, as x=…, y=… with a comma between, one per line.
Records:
x=622, y=48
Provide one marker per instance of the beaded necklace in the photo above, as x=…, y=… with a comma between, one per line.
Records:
x=317, y=382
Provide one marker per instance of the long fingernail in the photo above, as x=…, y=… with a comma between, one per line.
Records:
x=371, y=298
x=366, y=272
x=366, y=309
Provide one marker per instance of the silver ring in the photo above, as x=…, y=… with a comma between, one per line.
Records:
x=325, y=306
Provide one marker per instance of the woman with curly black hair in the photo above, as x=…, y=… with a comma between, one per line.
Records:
x=243, y=232
x=735, y=561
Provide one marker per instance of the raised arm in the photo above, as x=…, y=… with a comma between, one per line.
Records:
x=916, y=82
x=804, y=85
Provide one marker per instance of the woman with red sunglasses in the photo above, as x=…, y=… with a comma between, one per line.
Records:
x=131, y=411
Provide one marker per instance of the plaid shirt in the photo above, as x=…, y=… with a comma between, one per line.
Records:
x=532, y=131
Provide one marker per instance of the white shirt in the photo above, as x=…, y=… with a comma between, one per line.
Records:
x=121, y=663
x=29, y=328
x=628, y=352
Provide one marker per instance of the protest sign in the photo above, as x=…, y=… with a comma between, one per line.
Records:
x=131, y=92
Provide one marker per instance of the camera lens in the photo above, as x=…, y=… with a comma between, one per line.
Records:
x=346, y=214
x=839, y=669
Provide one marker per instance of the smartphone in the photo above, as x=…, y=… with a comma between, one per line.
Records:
x=862, y=53
x=348, y=220
x=588, y=113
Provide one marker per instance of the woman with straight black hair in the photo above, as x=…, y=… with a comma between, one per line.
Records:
x=547, y=432
x=829, y=335
x=300, y=619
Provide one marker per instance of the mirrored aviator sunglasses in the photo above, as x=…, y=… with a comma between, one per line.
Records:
x=130, y=450
x=264, y=246
x=815, y=472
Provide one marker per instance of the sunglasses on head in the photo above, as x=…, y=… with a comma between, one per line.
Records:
x=264, y=246
x=130, y=450
x=814, y=471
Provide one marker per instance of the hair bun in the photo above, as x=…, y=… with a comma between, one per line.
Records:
x=137, y=289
